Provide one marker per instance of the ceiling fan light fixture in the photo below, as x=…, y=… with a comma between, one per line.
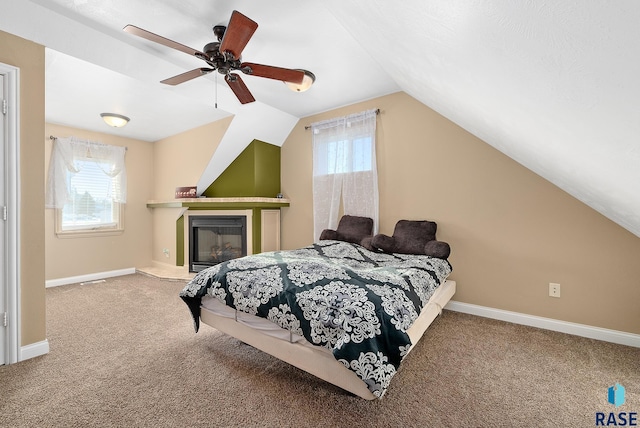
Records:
x=307, y=81
x=114, y=119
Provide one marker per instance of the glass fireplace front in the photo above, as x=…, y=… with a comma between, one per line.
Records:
x=215, y=239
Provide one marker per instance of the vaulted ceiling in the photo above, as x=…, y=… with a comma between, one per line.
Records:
x=552, y=84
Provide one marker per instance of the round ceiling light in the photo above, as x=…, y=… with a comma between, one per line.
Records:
x=114, y=119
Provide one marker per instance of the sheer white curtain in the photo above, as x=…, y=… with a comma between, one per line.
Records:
x=70, y=155
x=344, y=168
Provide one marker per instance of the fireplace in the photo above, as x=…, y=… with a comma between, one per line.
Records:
x=214, y=239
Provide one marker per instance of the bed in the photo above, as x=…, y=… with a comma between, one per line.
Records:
x=335, y=309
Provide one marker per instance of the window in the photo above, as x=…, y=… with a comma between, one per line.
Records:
x=344, y=169
x=90, y=205
x=345, y=156
x=86, y=185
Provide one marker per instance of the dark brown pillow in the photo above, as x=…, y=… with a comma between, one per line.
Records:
x=413, y=237
x=350, y=229
x=367, y=243
x=439, y=249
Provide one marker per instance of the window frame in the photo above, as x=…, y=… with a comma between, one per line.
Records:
x=93, y=230
x=114, y=228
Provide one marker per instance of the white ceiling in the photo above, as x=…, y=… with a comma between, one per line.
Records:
x=552, y=84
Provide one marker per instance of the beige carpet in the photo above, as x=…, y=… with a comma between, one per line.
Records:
x=124, y=354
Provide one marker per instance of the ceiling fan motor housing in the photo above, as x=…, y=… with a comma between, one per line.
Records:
x=212, y=49
x=219, y=61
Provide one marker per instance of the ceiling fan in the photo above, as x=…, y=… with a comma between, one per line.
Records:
x=225, y=56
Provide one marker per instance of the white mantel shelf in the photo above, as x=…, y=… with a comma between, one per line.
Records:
x=213, y=203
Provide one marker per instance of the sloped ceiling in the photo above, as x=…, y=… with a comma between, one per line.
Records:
x=554, y=85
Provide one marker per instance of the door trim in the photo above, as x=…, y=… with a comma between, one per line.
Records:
x=12, y=238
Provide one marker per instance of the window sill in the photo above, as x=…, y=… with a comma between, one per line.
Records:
x=88, y=233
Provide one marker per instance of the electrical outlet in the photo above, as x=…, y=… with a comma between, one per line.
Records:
x=165, y=251
x=554, y=289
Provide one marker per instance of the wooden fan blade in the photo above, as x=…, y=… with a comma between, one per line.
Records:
x=181, y=78
x=137, y=31
x=270, y=72
x=239, y=88
x=237, y=34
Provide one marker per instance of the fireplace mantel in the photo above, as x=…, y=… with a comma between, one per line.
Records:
x=221, y=203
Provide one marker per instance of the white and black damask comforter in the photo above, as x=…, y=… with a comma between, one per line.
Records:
x=339, y=295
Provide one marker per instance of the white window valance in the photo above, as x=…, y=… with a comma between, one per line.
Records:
x=71, y=155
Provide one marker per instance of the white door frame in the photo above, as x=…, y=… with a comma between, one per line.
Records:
x=11, y=275
x=3, y=250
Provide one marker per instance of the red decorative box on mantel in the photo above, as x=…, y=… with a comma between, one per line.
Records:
x=186, y=192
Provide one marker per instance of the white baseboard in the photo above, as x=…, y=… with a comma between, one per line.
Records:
x=613, y=336
x=88, y=277
x=34, y=350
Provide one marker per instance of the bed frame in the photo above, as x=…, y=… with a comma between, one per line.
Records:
x=317, y=360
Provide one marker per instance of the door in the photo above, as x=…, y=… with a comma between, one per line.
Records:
x=4, y=290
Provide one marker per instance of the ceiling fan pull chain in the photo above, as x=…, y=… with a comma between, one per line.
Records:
x=216, y=96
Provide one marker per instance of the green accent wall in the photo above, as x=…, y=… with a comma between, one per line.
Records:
x=180, y=241
x=255, y=172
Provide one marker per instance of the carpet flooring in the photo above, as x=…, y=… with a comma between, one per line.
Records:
x=123, y=353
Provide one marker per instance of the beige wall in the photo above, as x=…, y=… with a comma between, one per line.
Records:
x=154, y=170
x=179, y=161
x=29, y=58
x=67, y=257
x=511, y=231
